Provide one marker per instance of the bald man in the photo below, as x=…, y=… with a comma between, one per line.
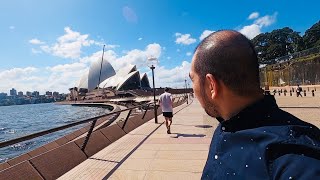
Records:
x=255, y=139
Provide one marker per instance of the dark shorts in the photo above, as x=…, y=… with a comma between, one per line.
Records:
x=167, y=114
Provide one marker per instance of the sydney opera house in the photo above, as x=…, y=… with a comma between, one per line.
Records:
x=101, y=75
x=127, y=78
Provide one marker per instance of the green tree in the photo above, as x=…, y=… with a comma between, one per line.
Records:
x=312, y=36
x=261, y=43
x=279, y=42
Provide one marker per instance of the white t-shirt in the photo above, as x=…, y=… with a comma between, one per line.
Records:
x=166, y=102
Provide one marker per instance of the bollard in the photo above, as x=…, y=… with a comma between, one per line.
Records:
x=308, y=89
x=279, y=93
x=281, y=90
x=312, y=93
x=290, y=93
x=285, y=93
x=304, y=93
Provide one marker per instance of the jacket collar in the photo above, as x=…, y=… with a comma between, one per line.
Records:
x=252, y=116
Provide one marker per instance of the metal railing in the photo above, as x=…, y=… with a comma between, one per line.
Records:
x=93, y=120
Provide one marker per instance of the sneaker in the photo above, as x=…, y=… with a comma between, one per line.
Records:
x=169, y=132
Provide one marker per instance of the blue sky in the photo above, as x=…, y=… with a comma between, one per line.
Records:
x=48, y=45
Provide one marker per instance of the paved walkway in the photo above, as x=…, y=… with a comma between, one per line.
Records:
x=148, y=152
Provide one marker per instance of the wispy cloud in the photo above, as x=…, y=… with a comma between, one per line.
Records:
x=189, y=53
x=129, y=14
x=253, y=15
x=172, y=77
x=69, y=45
x=254, y=29
x=251, y=31
x=266, y=20
x=35, y=41
x=12, y=27
x=140, y=39
x=34, y=51
x=184, y=39
x=16, y=73
x=205, y=33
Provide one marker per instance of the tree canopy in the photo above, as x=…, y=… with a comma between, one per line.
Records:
x=285, y=41
x=312, y=36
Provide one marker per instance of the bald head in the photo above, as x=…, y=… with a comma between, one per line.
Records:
x=230, y=57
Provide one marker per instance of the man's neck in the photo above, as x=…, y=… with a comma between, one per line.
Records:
x=235, y=104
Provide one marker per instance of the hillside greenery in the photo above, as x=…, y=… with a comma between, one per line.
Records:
x=285, y=41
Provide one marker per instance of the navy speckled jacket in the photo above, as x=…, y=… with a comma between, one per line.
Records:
x=264, y=142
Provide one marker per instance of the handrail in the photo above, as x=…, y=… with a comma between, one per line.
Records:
x=41, y=133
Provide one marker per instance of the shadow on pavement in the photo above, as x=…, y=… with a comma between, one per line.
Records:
x=203, y=126
x=187, y=135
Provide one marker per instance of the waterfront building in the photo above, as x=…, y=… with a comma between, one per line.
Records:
x=48, y=93
x=20, y=93
x=127, y=78
x=28, y=93
x=92, y=84
x=13, y=92
x=55, y=94
x=35, y=94
x=145, y=81
x=3, y=95
x=98, y=72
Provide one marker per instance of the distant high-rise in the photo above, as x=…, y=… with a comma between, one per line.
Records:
x=20, y=93
x=35, y=94
x=55, y=94
x=48, y=93
x=28, y=93
x=13, y=92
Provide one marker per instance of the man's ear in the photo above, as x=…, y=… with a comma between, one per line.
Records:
x=212, y=85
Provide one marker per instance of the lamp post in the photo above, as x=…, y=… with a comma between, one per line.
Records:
x=185, y=80
x=151, y=62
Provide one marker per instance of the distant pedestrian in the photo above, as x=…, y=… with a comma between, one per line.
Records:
x=299, y=90
x=165, y=101
x=274, y=92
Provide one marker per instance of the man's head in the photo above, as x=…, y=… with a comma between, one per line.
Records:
x=166, y=89
x=224, y=64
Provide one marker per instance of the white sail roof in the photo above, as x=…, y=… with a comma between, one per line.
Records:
x=122, y=81
x=119, y=77
x=90, y=80
x=144, y=79
x=84, y=81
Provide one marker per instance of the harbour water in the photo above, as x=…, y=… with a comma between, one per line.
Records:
x=17, y=121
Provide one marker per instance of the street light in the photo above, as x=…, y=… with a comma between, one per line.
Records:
x=152, y=61
x=185, y=80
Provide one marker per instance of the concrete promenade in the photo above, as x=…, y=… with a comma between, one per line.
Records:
x=148, y=152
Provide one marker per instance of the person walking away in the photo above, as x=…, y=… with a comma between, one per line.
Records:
x=299, y=90
x=165, y=101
